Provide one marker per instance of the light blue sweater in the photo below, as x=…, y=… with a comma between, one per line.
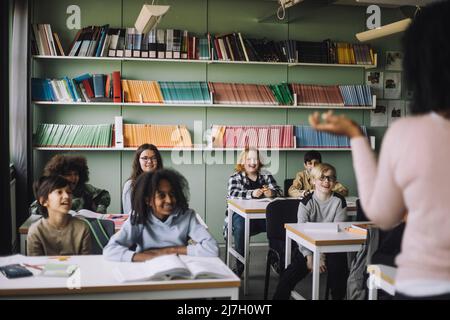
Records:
x=175, y=231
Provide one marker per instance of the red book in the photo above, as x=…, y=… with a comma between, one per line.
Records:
x=88, y=88
x=117, y=89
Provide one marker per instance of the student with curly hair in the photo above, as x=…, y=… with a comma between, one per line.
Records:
x=58, y=233
x=146, y=159
x=161, y=222
x=76, y=171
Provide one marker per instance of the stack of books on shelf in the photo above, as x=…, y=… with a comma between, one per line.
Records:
x=318, y=95
x=330, y=52
x=182, y=92
x=162, y=136
x=140, y=91
x=45, y=42
x=308, y=137
x=244, y=94
x=104, y=41
x=83, y=88
x=74, y=136
x=270, y=136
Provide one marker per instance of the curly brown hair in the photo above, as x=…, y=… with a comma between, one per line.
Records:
x=62, y=165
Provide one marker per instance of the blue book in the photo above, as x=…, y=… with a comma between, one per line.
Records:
x=99, y=85
x=85, y=76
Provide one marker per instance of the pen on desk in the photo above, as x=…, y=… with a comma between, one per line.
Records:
x=32, y=266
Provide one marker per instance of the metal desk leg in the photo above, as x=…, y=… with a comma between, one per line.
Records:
x=373, y=291
x=287, y=257
x=246, y=253
x=23, y=244
x=229, y=236
x=316, y=275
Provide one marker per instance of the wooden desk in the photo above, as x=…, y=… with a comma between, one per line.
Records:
x=381, y=277
x=94, y=280
x=321, y=242
x=254, y=209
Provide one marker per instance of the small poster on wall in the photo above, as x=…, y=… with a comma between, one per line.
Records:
x=392, y=85
x=379, y=116
x=394, y=61
x=374, y=79
x=396, y=110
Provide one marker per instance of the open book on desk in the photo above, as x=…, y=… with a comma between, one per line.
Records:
x=273, y=199
x=173, y=266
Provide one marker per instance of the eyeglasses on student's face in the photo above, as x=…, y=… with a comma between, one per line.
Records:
x=149, y=159
x=328, y=178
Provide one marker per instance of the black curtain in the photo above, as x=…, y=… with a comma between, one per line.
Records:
x=5, y=205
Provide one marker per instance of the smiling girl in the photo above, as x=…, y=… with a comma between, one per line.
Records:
x=146, y=159
x=161, y=222
x=58, y=233
x=248, y=182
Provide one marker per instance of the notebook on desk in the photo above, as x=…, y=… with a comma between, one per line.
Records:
x=169, y=267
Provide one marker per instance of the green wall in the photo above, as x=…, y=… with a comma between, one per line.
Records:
x=208, y=182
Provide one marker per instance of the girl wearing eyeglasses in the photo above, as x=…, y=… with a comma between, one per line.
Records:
x=146, y=159
x=161, y=222
x=322, y=205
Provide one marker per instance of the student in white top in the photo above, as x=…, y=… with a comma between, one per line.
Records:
x=146, y=159
x=161, y=222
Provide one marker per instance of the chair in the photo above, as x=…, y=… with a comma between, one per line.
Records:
x=287, y=184
x=101, y=232
x=360, y=215
x=278, y=213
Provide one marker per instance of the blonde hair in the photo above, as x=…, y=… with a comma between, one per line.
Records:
x=241, y=161
x=320, y=169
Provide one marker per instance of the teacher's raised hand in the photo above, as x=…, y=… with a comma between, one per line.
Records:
x=337, y=124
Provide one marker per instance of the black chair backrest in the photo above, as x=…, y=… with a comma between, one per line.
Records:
x=360, y=215
x=101, y=231
x=278, y=213
x=287, y=185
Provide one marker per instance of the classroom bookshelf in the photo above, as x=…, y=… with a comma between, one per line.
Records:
x=208, y=177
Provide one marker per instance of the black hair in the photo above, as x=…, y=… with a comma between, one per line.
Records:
x=62, y=165
x=312, y=155
x=426, y=48
x=146, y=187
x=136, y=169
x=43, y=187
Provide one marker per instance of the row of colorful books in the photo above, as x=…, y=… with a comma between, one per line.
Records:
x=102, y=135
x=110, y=88
x=308, y=137
x=264, y=136
x=162, y=136
x=74, y=135
x=104, y=41
x=83, y=88
x=275, y=136
x=346, y=95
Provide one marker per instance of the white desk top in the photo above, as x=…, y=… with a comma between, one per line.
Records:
x=260, y=205
x=387, y=273
x=319, y=238
x=95, y=276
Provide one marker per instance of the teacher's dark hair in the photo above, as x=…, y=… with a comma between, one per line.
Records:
x=426, y=60
x=145, y=190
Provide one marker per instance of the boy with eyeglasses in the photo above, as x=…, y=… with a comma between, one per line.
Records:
x=322, y=205
x=302, y=184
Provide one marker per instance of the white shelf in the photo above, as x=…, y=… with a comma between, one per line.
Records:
x=290, y=64
x=186, y=105
x=188, y=149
